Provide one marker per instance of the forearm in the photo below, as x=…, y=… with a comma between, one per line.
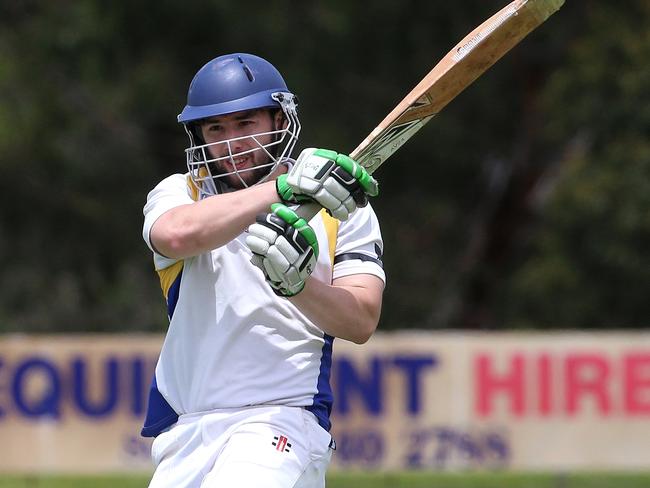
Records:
x=210, y=223
x=349, y=309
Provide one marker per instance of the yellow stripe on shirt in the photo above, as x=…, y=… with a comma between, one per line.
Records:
x=331, y=229
x=168, y=276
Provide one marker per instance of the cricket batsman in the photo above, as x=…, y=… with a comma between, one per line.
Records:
x=255, y=294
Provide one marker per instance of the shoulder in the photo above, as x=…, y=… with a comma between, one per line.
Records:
x=360, y=233
x=171, y=192
x=360, y=247
x=178, y=182
x=363, y=220
x=176, y=186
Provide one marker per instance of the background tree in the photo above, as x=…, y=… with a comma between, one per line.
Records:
x=529, y=207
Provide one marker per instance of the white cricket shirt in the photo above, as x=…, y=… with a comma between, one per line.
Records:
x=231, y=341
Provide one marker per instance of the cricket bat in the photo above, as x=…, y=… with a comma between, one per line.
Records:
x=468, y=60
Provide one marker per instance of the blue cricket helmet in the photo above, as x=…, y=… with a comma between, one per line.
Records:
x=232, y=83
x=225, y=85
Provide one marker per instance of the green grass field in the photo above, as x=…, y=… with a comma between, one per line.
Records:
x=406, y=480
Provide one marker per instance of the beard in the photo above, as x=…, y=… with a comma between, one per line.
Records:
x=250, y=176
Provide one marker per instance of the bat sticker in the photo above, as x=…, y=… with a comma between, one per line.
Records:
x=389, y=142
x=463, y=50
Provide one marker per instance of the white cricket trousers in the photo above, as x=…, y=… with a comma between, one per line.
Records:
x=254, y=447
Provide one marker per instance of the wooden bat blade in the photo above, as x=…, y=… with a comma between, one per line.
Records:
x=470, y=58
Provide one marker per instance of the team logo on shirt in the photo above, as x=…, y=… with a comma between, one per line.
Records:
x=281, y=444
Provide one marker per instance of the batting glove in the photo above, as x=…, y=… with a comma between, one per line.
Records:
x=285, y=248
x=335, y=181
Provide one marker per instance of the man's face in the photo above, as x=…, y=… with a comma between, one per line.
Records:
x=240, y=124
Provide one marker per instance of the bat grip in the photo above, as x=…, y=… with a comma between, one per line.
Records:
x=308, y=210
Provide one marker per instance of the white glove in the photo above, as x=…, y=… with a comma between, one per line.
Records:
x=335, y=181
x=285, y=248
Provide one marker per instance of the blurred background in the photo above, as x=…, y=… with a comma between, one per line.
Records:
x=524, y=206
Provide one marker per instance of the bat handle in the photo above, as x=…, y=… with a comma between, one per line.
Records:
x=308, y=210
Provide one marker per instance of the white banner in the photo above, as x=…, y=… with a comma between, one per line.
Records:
x=408, y=400
x=572, y=401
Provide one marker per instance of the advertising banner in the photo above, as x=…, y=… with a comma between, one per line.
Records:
x=572, y=401
x=407, y=400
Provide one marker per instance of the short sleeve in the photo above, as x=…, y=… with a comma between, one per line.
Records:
x=359, y=246
x=169, y=193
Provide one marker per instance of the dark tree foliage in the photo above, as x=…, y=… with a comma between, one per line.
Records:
x=525, y=203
